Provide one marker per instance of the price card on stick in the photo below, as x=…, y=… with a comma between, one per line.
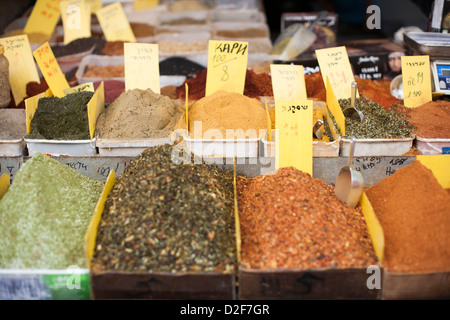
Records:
x=96, y=106
x=294, y=144
x=43, y=17
x=288, y=82
x=416, y=80
x=141, y=66
x=227, y=66
x=22, y=68
x=115, y=24
x=76, y=19
x=335, y=65
x=50, y=69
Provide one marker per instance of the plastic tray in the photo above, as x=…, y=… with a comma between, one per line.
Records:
x=428, y=43
x=431, y=146
x=377, y=147
x=320, y=148
x=61, y=147
x=242, y=148
x=242, y=15
x=12, y=148
x=127, y=147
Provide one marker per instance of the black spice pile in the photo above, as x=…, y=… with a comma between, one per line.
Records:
x=78, y=46
x=177, y=66
x=167, y=217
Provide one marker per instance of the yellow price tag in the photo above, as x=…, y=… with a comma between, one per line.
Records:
x=373, y=226
x=31, y=105
x=416, y=80
x=335, y=65
x=288, y=82
x=293, y=121
x=5, y=182
x=334, y=107
x=50, y=69
x=89, y=86
x=269, y=123
x=43, y=17
x=438, y=164
x=96, y=106
x=145, y=4
x=22, y=68
x=227, y=66
x=141, y=66
x=94, y=5
x=76, y=19
x=115, y=24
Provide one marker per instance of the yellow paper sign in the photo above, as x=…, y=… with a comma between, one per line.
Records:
x=145, y=4
x=115, y=24
x=50, y=69
x=43, y=17
x=288, y=82
x=94, y=5
x=335, y=65
x=373, y=226
x=22, y=68
x=76, y=20
x=439, y=164
x=227, y=66
x=269, y=123
x=334, y=107
x=293, y=121
x=141, y=66
x=416, y=80
x=31, y=105
x=186, y=105
x=95, y=106
x=89, y=86
x=5, y=182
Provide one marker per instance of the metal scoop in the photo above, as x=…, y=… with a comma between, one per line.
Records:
x=352, y=112
x=349, y=182
x=317, y=133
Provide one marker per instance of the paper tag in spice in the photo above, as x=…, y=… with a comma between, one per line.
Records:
x=269, y=122
x=416, y=78
x=288, y=82
x=76, y=19
x=89, y=86
x=227, y=66
x=115, y=23
x=335, y=64
x=186, y=106
x=5, y=182
x=22, y=68
x=141, y=66
x=334, y=107
x=95, y=106
x=438, y=164
x=373, y=226
x=50, y=69
x=31, y=105
x=43, y=17
x=145, y=4
x=293, y=141
x=94, y=5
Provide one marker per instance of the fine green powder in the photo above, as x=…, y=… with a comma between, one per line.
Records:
x=44, y=216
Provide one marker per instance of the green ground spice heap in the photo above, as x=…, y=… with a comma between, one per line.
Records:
x=377, y=124
x=63, y=118
x=167, y=217
x=44, y=216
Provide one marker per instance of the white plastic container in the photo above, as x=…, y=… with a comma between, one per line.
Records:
x=377, y=147
x=12, y=148
x=429, y=146
x=127, y=147
x=61, y=147
x=191, y=17
x=241, y=148
x=237, y=15
x=320, y=148
x=239, y=27
x=101, y=61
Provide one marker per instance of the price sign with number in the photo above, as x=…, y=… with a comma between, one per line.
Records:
x=43, y=17
x=76, y=19
x=293, y=141
x=416, y=79
x=288, y=82
x=115, y=24
x=227, y=66
x=141, y=66
x=335, y=65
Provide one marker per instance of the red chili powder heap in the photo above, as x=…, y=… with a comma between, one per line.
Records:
x=414, y=211
x=431, y=119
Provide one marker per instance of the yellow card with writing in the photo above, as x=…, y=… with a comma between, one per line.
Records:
x=115, y=23
x=416, y=78
x=288, y=82
x=22, y=68
x=96, y=106
x=94, y=5
x=145, y=4
x=50, y=69
x=5, y=182
x=31, y=105
x=438, y=164
x=141, y=66
x=89, y=86
x=334, y=107
x=373, y=226
x=76, y=19
x=335, y=64
x=43, y=17
x=227, y=66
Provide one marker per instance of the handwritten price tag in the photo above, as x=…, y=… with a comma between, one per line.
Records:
x=43, y=17
x=115, y=24
x=141, y=66
x=76, y=19
x=50, y=69
x=416, y=80
x=22, y=68
x=335, y=65
x=227, y=66
x=288, y=82
x=145, y=4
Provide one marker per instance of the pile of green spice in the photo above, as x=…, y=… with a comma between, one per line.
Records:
x=378, y=122
x=63, y=118
x=44, y=216
x=167, y=217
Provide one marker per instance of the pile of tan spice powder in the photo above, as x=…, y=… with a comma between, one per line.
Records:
x=290, y=220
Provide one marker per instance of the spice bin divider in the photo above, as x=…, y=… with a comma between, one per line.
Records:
x=61, y=147
x=430, y=146
x=12, y=148
x=377, y=147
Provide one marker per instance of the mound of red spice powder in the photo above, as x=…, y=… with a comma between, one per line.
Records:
x=291, y=220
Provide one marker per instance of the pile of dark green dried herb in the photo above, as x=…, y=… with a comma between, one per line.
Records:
x=63, y=118
x=167, y=217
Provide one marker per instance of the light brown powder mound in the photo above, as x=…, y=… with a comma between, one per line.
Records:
x=432, y=119
x=226, y=111
x=414, y=211
x=139, y=114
